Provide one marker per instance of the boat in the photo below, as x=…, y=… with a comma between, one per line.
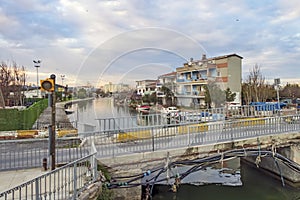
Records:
x=143, y=108
x=69, y=111
x=170, y=110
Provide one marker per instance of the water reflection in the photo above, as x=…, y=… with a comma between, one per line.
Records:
x=255, y=185
x=89, y=113
x=102, y=114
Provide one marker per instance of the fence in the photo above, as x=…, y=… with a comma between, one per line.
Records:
x=60, y=125
x=62, y=183
x=29, y=153
x=155, y=138
x=183, y=117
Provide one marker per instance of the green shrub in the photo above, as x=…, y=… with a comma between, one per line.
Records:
x=14, y=119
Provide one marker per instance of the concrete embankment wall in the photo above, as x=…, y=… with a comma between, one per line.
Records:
x=276, y=168
x=149, y=160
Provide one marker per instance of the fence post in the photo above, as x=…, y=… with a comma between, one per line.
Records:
x=95, y=168
x=37, y=189
x=188, y=130
x=75, y=181
x=152, y=134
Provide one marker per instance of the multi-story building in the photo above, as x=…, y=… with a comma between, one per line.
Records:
x=145, y=87
x=113, y=88
x=169, y=81
x=225, y=71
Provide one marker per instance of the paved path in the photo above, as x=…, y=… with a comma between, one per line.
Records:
x=10, y=179
x=62, y=119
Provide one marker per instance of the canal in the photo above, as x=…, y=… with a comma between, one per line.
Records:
x=251, y=184
x=240, y=181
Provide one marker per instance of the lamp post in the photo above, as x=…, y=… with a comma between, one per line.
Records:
x=277, y=85
x=37, y=64
x=62, y=79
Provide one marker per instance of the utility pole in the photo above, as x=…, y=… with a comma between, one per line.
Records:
x=49, y=86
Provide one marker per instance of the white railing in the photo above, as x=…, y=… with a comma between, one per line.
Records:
x=30, y=153
x=161, y=137
x=62, y=183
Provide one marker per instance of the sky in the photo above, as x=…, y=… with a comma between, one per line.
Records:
x=99, y=41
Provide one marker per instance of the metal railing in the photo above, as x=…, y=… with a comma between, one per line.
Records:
x=182, y=117
x=29, y=153
x=61, y=125
x=62, y=183
x=161, y=137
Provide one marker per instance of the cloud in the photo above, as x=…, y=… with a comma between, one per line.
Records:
x=287, y=11
x=66, y=35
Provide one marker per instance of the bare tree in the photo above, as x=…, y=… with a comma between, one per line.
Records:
x=12, y=82
x=255, y=88
x=290, y=91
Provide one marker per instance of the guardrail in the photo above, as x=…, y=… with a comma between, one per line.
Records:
x=29, y=153
x=202, y=115
x=62, y=183
x=61, y=125
x=155, y=138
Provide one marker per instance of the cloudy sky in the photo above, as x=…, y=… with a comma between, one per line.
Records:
x=96, y=41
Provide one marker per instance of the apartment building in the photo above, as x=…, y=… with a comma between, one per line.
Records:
x=146, y=87
x=169, y=81
x=113, y=88
x=192, y=77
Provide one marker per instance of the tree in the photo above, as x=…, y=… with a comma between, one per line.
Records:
x=290, y=91
x=12, y=83
x=146, y=98
x=153, y=98
x=230, y=96
x=169, y=95
x=255, y=88
x=81, y=94
x=214, y=95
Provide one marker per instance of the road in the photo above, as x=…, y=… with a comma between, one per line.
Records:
x=33, y=157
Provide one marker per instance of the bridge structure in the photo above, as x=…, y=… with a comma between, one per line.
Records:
x=139, y=149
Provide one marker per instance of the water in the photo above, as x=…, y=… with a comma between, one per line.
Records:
x=254, y=185
x=87, y=112
x=92, y=113
x=250, y=183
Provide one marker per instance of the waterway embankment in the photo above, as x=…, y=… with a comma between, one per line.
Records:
x=62, y=120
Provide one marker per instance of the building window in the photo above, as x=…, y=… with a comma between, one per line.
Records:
x=218, y=74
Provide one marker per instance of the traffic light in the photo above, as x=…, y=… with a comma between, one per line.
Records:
x=47, y=85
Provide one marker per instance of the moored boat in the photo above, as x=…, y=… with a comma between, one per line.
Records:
x=143, y=108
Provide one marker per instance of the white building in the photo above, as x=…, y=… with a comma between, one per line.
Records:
x=193, y=76
x=146, y=87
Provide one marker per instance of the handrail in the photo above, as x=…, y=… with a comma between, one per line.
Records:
x=70, y=177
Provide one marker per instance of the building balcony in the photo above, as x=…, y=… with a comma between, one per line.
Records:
x=159, y=85
x=193, y=94
x=181, y=80
x=160, y=94
x=193, y=81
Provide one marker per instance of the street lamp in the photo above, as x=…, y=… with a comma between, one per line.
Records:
x=62, y=79
x=277, y=85
x=37, y=64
